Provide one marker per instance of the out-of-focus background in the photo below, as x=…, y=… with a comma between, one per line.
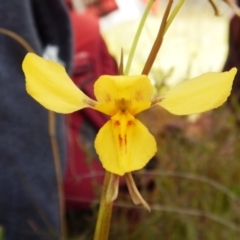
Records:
x=193, y=183
x=195, y=43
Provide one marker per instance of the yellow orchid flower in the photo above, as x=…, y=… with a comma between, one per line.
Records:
x=123, y=144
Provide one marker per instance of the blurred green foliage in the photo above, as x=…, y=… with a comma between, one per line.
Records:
x=1, y=233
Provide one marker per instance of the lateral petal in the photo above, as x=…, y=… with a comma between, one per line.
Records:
x=199, y=94
x=48, y=83
x=124, y=146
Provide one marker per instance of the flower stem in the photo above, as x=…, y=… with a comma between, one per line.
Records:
x=109, y=194
x=166, y=22
x=158, y=42
x=137, y=36
x=173, y=14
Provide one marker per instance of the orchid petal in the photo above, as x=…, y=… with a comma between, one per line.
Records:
x=124, y=144
x=199, y=94
x=48, y=83
x=108, y=108
x=114, y=89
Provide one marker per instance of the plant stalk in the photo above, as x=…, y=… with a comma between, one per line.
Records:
x=105, y=211
x=158, y=42
x=137, y=36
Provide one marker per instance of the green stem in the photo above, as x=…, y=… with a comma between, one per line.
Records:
x=173, y=14
x=105, y=211
x=137, y=36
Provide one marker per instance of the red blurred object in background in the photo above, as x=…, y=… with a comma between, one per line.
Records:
x=97, y=8
x=100, y=7
x=155, y=7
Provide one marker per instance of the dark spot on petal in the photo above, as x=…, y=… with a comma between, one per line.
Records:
x=116, y=123
x=130, y=123
x=120, y=140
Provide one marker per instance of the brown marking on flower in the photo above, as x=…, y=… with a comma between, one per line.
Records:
x=108, y=98
x=130, y=123
x=123, y=142
x=138, y=95
x=116, y=123
x=123, y=104
x=120, y=141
